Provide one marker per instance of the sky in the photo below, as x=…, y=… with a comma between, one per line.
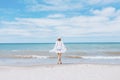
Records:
x=42, y=21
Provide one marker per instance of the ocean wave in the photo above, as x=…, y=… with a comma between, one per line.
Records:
x=31, y=56
x=100, y=57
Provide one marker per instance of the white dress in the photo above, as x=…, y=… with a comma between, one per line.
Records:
x=59, y=47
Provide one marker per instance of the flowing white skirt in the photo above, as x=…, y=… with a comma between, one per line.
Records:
x=58, y=50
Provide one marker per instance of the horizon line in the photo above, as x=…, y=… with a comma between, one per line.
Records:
x=52, y=42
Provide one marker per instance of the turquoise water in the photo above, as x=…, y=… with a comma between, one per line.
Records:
x=25, y=46
x=38, y=53
x=70, y=46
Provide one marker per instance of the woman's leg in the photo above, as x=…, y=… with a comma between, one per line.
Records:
x=59, y=58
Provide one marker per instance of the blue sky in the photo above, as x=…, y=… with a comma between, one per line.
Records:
x=41, y=21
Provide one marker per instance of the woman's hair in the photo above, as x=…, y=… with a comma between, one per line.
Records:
x=59, y=39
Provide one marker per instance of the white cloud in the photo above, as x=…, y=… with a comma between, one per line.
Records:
x=109, y=11
x=66, y=5
x=101, y=2
x=42, y=22
x=55, y=2
x=56, y=16
x=53, y=5
x=14, y=32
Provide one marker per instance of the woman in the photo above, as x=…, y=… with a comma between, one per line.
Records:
x=59, y=48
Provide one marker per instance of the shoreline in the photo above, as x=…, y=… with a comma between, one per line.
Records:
x=64, y=64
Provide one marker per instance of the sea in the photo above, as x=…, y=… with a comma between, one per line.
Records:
x=28, y=54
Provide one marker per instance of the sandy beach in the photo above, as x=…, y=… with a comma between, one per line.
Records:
x=61, y=72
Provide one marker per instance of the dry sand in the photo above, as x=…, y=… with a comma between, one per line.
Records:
x=61, y=72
